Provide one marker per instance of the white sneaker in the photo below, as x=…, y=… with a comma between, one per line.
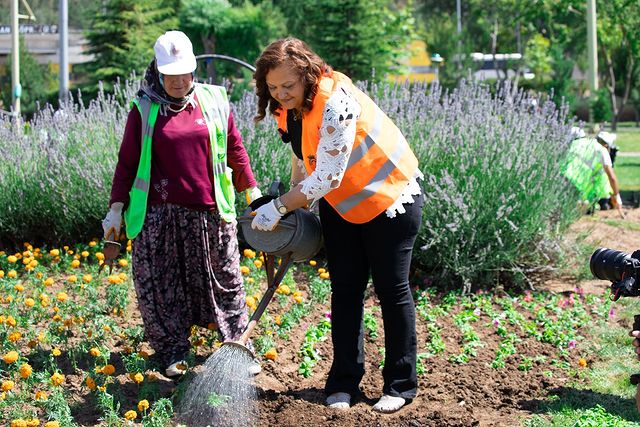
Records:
x=388, y=404
x=176, y=369
x=339, y=400
x=254, y=367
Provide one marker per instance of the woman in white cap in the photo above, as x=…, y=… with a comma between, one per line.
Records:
x=180, y=161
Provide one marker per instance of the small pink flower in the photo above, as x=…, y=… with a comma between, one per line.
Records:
x=527, y=296
x=612, y=313
x=477, y=311
x=496, y=322
x=572, y=344
x=327, y=315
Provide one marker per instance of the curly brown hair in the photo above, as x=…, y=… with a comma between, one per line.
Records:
x=309, y=66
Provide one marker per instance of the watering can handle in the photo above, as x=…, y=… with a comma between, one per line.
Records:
x=276, y=188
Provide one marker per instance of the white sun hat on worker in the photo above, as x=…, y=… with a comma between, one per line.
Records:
x=607, y=137
x=174, y=54
x=577, y=132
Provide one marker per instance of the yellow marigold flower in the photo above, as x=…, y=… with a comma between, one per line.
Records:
x=257, y=263
x=45, y=300
x=312, y=262
x=54, y=252
x=244, y=269
x=298, y=298
x=123, y=262
x=130, y=415
x=95, y=351
x=56, y=309
x=248, y=253
x=10, y=357
x=25, y=370
x=3, y=396
x=106, y=328
x=12, y=259
x=52, y=424
x=33, y=422
x=41, y=395
x=324, y=275
x=251, y=302
x=100, y=256
x=143, y=405
x=250, y=280
x=39, y=275
x=7, y=385
x=278, y=320
x=56, y=352
x=122, y=276
x=283, y=290
x=582, y=362
x=1, y=274
x=57, y=318
x=75, y=263
x=77, y=256
x=73, y=278
x=26, y=260
x=12, y=274
x=321, y=270
x=90, y=383
x=15, y=336
x=137, y=377
x=108, y=370
x=85, y=254
x=29, y=302
x=57, y=379
x=41, y=337
x=9, y=299
x=271, y=354
x=18, y=422
x=62, y=296
x=33, y=263
x=19, y=287
x=87, y=278
x=49, y=281
x=114, y=279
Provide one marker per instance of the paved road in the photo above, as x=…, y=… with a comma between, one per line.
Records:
x=628, y=154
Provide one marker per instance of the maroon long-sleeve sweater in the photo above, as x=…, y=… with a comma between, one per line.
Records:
x=181, y=169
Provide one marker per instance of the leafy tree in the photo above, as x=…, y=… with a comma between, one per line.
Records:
x=36, y=81
x=122, y=36
x=354, y=36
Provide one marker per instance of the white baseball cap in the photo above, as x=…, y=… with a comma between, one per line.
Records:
x=577, y=132
x=607, y=137
x=174, y=54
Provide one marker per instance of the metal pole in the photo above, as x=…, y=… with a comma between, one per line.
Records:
x=592, y=49
x=459, y=15
x=16, y=89
x=63, y=28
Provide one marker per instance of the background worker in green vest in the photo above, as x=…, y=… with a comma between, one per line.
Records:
x=589, y=168
x=181, y=158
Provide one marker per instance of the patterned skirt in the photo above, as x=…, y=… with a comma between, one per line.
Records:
x=186, y=270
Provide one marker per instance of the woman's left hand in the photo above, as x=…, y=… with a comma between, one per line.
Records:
x=267, y=217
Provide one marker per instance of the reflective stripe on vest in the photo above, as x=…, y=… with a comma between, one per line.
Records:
x=584, y=169
x=215, y=110
x=381, y=162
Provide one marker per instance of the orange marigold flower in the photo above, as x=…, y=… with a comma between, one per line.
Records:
x=75, y=263
x=54, y=252
x=41, y=395
x=15, y=336
x=248, y=253
x=109, y=370
x=95, y=351
x=114, y=279
x=143, y=405
x=19, y=287
x=29, y=302
x=130, y=415
x=18, y=422
x=49, y=281
x=33, y=422
x=56, y=352
x=12, y=274
x=12, y=259
x=85, y=254
x=100, y=256
x=244, y=269
x=52, y=424
x=257, y=263
x=92, y=243
x=57, y=379
x=312, y=263
x=123, y=262
x=582, y=362
x=7, y=385
x=1, y=274
x=90, y=383
x=10, y=357
x=137, y=377
x=87, y=278
x=271, y=354
x=283, y=290
x=11, y=321
x=25, y=370
x=73, y=278
x=324, y=275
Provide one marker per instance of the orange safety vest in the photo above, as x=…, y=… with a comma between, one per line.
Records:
x=381, y=162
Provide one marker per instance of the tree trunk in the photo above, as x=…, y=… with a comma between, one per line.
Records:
x=611, y=87
x=631, y=63
x=209, y=44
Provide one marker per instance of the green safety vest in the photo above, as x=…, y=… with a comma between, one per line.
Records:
x=215, y=108
x=584, y=169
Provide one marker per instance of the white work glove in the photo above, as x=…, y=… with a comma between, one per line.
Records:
x=252, y=194
x=267, y=217
x=112, y=223
x=616, y=200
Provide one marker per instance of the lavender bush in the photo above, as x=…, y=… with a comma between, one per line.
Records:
x=495, y=195
x=494, y=192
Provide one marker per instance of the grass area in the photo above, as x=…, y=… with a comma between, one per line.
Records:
x=608, y=398
x=628, y=172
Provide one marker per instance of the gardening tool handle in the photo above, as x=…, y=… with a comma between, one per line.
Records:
x=266, y=298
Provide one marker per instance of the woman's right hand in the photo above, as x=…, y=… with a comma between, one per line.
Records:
x=112, y=223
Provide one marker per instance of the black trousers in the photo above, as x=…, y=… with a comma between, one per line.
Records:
x=381, y=247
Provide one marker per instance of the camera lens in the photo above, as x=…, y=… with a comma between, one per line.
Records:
x=607, y=264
